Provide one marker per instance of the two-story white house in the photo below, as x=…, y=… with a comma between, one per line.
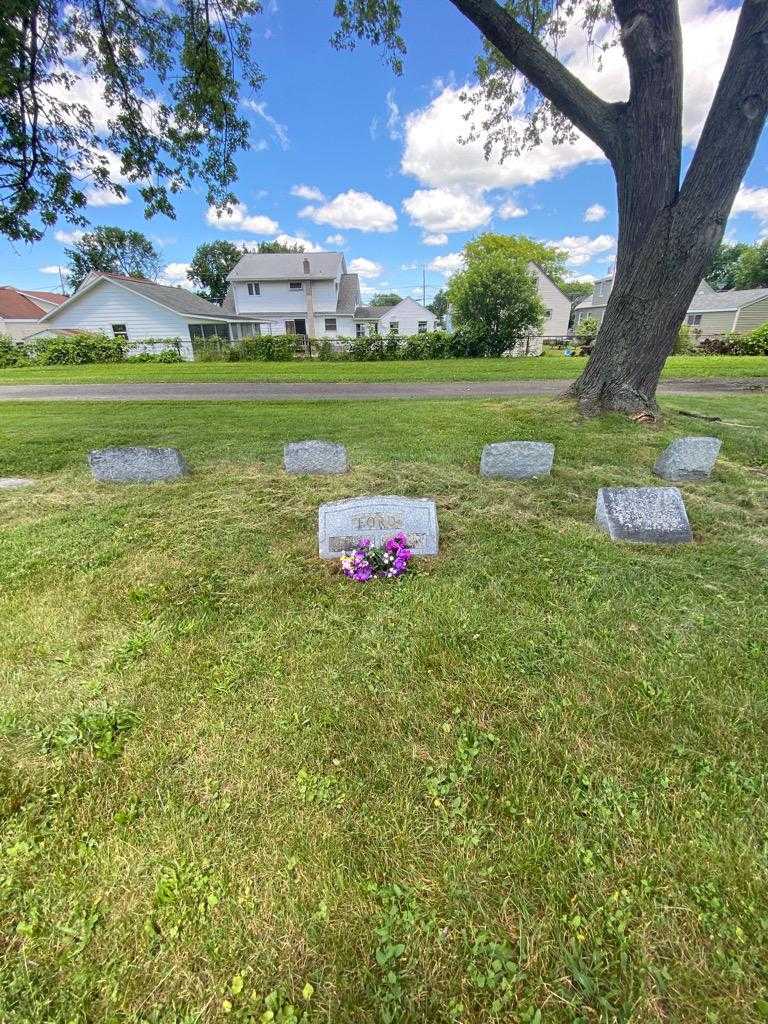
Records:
x=312, y=294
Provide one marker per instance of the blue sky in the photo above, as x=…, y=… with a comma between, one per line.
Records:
x=348, y=156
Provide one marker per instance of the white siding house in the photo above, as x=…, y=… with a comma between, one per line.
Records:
x=406, y=318
x=138, y=310
x=557, y=304
x=21, y=311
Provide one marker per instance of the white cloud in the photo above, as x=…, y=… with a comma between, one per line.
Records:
x=54, y=268
x=754, y=201
x=581, y=249
x=68, y=237
x=237, y=218
x=447, y=209
x=174, y=274
x=298, y=240
x=594, y=213
x=439, y=239
x=308, y=192
x=335, y=240
x=280, y=131
x=103, y=197
x=393, y=117
x=448, y=264
x=260, y=145
x=433, y=154
x=510, y=210
x=364, y=268
x=352, y=209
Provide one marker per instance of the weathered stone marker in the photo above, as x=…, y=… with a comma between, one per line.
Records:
x=343, y=524
x=12, y=483
x=322, y=457
x=688, y=458
x=136, y=465
x=517, y=460
x=646, y=515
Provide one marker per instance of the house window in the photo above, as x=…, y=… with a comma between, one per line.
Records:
x=547, y=313
x=374, y=328
x=120, y=331
x=250, y=330
x=422, y=328
x=198, y=332
x=394, y=326
x=306, y=266
x=693, y=319
x=359, y=330
x=330, y=323
x=254, y=288
x=296, y=286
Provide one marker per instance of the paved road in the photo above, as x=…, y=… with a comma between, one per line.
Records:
x=255, y=391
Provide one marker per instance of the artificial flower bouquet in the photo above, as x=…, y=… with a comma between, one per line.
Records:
x=368, y=561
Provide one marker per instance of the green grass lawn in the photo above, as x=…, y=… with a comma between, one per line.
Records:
x=526, y=783
x=553, y=366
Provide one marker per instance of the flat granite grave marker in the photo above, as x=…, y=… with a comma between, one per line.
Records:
x=341, y=525
x=517, y=460
x=323, y=457
x=12, y=483
x=136, y=465
x=688, y=458
x=646, y=515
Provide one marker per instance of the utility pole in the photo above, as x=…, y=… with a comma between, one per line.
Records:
x=423, y=284
x=61, y=281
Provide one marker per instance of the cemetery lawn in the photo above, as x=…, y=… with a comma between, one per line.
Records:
x=552, y=366
x=526, y=783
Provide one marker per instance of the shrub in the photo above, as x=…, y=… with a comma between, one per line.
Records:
x=684, y=341
x=587, y=329
x=367, y=349
x=325, y=352
x=168, y=355
x=267, y=348
x=12, y=353
x=756, y=342
x=77, y=348
x=722, y=345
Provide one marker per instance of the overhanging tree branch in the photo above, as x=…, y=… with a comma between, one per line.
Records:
x=593, y=116
x=734, y=123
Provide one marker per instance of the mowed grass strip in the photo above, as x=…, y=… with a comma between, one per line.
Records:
x=525, y=783
x=552, y=366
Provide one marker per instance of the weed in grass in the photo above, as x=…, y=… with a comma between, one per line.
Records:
x=186, y=893
x=323, y=790
x=99, y=730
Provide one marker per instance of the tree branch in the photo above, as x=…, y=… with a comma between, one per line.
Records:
x=734, y=123
x=593, y=116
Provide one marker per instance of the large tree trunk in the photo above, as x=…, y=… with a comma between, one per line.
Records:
x=667, y=233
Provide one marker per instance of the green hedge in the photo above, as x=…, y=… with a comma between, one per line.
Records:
x=753, y=344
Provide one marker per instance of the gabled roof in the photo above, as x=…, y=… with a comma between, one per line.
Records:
x=287, y=266
x=372, y=312
x=14, y=305
x=542, y=271
x=349, y=294
x=716, y=302
x=55, y=297
x=377, y=312
x=178, y=300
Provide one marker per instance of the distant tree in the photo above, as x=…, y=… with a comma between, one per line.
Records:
x=722, y=270
x=113, y=250
x=575, y=290
x=278, y=247
x=752, y=268
x=550, y=259
x=439, y=305
x=386, y=299
x=495, y=303
x=210, y=265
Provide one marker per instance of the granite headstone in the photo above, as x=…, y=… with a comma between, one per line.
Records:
x=646, y=515
x=136, y=465
x=341, y=525
x=517, y=460
x=688, y=458
x=322, y=457
x=12, y=483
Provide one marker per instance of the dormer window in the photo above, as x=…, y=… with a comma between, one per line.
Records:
x=254, y=288
x=296, y=286
x=306, y=266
